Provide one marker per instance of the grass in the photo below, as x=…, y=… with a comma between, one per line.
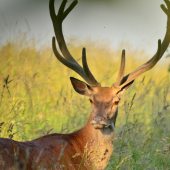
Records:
x=36, y=98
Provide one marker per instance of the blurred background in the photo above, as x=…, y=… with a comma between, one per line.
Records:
x=140, y=23
x=37, y=98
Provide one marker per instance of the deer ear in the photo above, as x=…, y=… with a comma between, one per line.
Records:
x=81, y=87
x=123, y=89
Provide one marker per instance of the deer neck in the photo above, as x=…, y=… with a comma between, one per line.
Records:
x=98, y=144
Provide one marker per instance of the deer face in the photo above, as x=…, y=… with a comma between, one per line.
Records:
x=104, y=102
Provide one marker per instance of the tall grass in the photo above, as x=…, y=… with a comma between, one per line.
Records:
x=36, y=98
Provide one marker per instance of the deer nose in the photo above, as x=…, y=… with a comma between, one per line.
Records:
x=99, y=122
x=99, y=118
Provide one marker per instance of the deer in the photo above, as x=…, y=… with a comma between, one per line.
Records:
x=90, y=147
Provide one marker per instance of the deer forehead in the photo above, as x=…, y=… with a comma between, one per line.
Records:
x=104, y=94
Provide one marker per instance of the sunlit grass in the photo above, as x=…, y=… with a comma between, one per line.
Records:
x=41, y=100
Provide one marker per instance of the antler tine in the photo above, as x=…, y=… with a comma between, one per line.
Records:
x=166, y=40
x=68, y=60
x=74, y=66
x=160, y=51
x=73, y=4
x=87, y=70
x=121, y=70
x=63, y=60
x=57, y=24
x=143, y=68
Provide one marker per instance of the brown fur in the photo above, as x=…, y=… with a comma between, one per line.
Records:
x=46, y=150
x=90, y=147
x=87, y=148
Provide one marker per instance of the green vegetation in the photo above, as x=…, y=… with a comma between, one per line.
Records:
x=37, y=98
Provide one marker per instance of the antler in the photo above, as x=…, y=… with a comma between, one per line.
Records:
x=68, y=60
x=128, y=79
x=121, y=70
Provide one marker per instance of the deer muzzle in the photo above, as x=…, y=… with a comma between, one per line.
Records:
x=99, y=122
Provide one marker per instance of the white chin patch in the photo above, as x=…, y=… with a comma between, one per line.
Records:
x=98, y=126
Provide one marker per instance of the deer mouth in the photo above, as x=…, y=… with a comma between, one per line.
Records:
x=98, y=125
x=102, y=125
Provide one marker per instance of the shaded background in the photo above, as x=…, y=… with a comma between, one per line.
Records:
x=41, y=100
x=141, y=23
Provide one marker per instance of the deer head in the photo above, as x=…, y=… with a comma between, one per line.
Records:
x=104, y=100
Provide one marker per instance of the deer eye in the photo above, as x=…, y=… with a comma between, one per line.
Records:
x=116, y=102
x=90, y=101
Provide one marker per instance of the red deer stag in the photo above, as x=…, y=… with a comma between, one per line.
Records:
x=91, y=146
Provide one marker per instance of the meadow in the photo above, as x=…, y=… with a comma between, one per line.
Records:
x=37, y=98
